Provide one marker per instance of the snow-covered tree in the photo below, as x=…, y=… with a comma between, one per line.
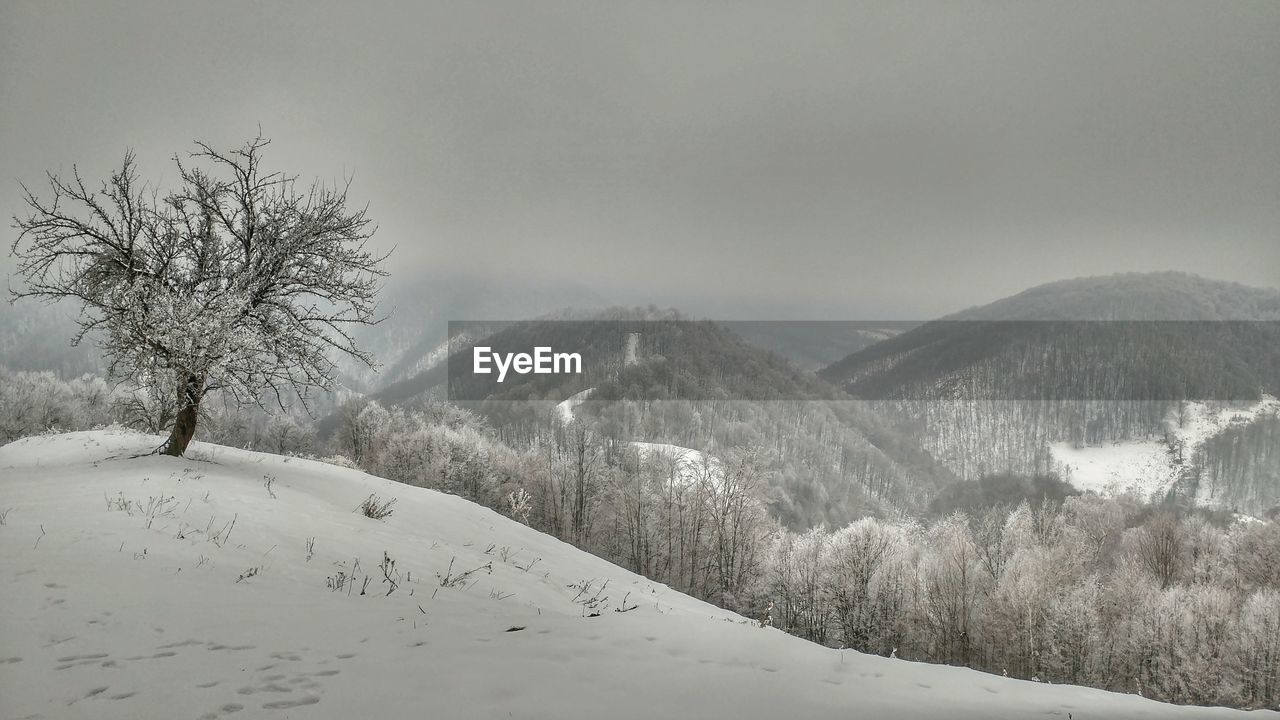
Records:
x=1260, y=641
x=856, y=555
x=738, y=520
x=950, y=576
x=237, y=280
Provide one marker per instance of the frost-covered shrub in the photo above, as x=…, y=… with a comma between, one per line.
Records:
x=36, y=402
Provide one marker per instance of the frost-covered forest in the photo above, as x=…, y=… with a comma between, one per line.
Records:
x=1113, y=592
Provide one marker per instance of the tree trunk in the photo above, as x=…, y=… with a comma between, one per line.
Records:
x=184, y=425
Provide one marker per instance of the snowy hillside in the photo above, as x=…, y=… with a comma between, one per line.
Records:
x=1151, y=467
x=236, y=581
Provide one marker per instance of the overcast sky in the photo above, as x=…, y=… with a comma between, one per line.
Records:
x=847, y=159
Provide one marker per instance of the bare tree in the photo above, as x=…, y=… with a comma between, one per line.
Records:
x=1161, y=544
x=738, y=519
x=585, y=460
x=238, y=280
x=633, y=503
x=950, y=589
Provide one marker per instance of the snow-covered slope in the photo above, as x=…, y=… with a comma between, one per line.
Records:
x=1153, y=466
x=154, y=587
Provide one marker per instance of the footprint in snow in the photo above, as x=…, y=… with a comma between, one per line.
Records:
x=184, y=643
x=165, y=654
x=287, y=704
x=95, y=692
x=271, y=687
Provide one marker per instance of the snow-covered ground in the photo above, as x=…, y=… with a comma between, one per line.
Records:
x=1153, y=466
x=1145, y=467
x=155, y=587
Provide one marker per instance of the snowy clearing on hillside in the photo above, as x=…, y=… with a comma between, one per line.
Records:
x=1150, y=467
x=565, y=408
x=1146, y=467
x=199, y=587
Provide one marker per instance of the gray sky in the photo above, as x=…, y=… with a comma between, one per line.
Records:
x=848, y=159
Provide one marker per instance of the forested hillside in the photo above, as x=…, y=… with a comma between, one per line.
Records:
x=657, y=377
x=1156, y=336
x=1092, y=362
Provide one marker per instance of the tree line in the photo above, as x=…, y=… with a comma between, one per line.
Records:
x=1109, y=593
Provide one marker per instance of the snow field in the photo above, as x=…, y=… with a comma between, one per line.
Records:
x=1151, y=467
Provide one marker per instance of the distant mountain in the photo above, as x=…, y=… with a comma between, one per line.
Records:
x=1156, y=336
x=642, y=354
x=675, y=358
x=1133, y=296
x=1090, y=362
